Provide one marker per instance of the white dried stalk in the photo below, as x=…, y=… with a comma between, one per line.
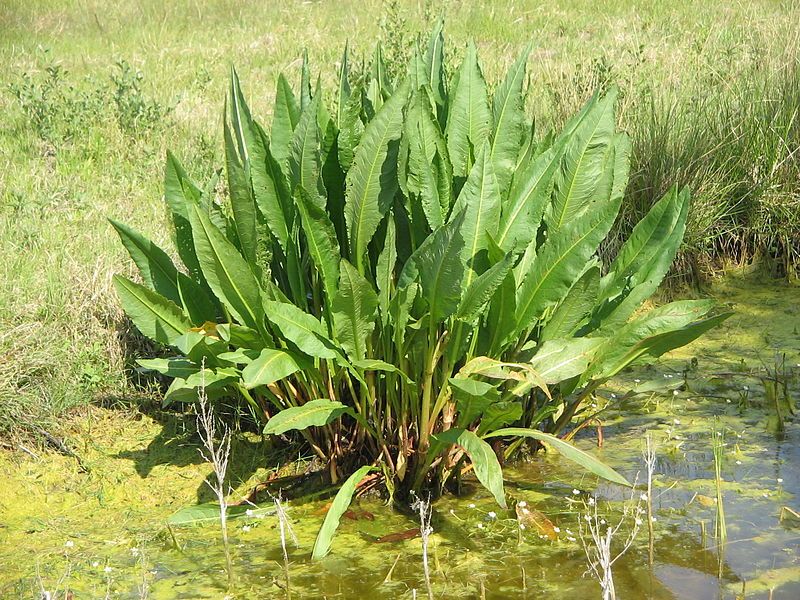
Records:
x=600, y=535
x=425, y=530
x=217, y=454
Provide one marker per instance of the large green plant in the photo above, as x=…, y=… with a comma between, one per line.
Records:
x=410, y=273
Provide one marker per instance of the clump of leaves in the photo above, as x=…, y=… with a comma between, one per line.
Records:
x=135, y=111
x=410, y=274
x=53, y=106
x=58, y=109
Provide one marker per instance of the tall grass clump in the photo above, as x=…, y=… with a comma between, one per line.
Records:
x=738, y=148
x=404, y=274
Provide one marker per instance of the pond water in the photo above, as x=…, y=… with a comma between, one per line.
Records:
x=101, y=531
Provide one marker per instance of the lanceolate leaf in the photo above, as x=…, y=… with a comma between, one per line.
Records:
x=441, y=268
x=270, y=189
x=484, y=461
x=344, y=496
x=469, y=119
x=171, y=367
x=344, y=88
x=384, y=269
x=559, y=360
x=372, y=364
x=560, y=263
x=321, y=238
x=625, y=345
x=305, y=83
x=178, y=191
x=315, y=413
x=372, y=179
x=300, y=328
x=567, y=450
x=527, y=199
x=155, y=316
x=645, y=280
x=237, y=163
x=645, y=241
x=574, y=310
x=476, y=297
x=351, y=128
x=434, y=65
x=227, y=272
x=583, y=164
x=428, y=164
x=270, y=366
x=354, y=311
x=479, y=201
x=508, y=109
x=160, y=275
x=305, y=160
x=155, y=267
x=285, y=117
x=196, y=300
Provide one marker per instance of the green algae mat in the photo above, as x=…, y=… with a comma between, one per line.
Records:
x=107, y=528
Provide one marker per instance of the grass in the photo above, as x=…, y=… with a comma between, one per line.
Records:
x=709, y=93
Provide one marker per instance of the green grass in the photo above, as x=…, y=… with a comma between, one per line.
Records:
x=709, y=93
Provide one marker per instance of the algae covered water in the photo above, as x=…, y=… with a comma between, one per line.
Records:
x=100, y=529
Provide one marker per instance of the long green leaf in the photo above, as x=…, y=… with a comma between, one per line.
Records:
x=270, y=366
x=179, y=190
x=560, y=263
x=285, y=116
x=321, y=239
x=583, y=164
x=227, y=272
x=479, y=201
x=508, y=109
x=354, y=312
x=567, y=450
x=302, y=329
x=314, y=413
x=384, y=269
x=372, y=178
x=477, y=296
x=630, y=342
x=484, y=461
x=155, y=316
x=559, y=360
x=155, y=266
x=171, y=367
x=574, y=311
x=441, y=268
x=527, y=199
x=641, y=284
x=469, y=118
x=429, y=169
x=344, y=496
x=160, y=275
x=305, y=159
x=434, y=66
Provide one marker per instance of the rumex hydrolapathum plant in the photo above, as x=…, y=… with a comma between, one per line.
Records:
x=409, y=271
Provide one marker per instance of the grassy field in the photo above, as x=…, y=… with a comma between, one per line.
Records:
x=93, y=94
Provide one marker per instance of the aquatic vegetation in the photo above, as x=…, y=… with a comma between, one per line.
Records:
x=720, y=528
x=409, y=280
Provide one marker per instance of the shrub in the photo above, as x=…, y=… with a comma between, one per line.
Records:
x=411, y=274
